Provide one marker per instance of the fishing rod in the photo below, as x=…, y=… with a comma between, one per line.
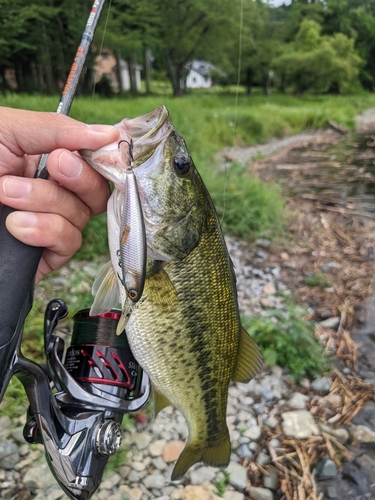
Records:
x=78, y=397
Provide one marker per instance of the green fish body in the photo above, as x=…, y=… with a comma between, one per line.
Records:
x=185, y=331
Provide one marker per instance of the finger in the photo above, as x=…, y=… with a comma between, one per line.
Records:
x=60, y=238
x=72, y=172
x=34, y=132
x=44, y=197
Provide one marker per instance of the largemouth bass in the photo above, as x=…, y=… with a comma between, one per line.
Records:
x=185, y=331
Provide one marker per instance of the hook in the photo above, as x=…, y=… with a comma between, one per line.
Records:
x=131, y=146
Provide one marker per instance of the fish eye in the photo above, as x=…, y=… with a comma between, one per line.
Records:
x=182, y=164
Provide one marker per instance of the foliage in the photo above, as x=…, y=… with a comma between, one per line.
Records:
x=286, y=338
x=318, y=279
x=318, y=63
x=221, y=483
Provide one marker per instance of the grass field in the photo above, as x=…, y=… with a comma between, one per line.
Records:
x=209, y=121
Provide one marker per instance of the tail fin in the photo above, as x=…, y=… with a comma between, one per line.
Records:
x=196, y=451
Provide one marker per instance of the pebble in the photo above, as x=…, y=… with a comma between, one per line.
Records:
x=299, y=424
x=326, y=468
x=361, y=434
x=172, y=451
x=157, y=447
x=252, y=406
x=321, y=384
x=263, y=242
x=233, y=495
x=253, y=432
x=202, y=475
x=297, y=400
x=332, y=322
x=237, y=475
x=257, y=493
x=271, y=481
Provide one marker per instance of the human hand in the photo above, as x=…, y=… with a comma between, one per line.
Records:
x=50, y=214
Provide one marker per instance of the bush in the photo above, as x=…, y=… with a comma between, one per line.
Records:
x=287, y=339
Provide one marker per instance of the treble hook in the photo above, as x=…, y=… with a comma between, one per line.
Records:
x=131, y=147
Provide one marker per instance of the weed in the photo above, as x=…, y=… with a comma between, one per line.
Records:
x=318, y=279
x=287, y=339
x=221, y=484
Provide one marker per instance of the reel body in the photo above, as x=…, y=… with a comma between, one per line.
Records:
x=77, y=401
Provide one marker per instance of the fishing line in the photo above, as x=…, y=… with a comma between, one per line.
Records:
x=102, y=43
x=239, y=67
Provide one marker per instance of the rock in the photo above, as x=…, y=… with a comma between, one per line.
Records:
x=260, y=493
x=367, y=464
x=130, y=493
x=154, y=480
x=244, y=451
x=271, y=422
x=138, y=466
x=38, y=477
x=110, y=482
x=237, y=475
x=9, y=455
x=172, y=451
x=254, y=432
x=233, y=495
x=263, y=242
x=321, y=384
x=342, y=435
x=331, y=491
x=202, y=474
x=17, y=434
x=5, y=422
x=263, y=459
x=332, y=322
x=198, y=493
x=142, y=440
x=361, y=434
x=159, y=463
x=269, y=289
x=331, y=265
x=271, y=481
x=156, y=448
x=275, y=443
x=176, y=494
x=299, y=424
x=297, y=400
x=326, y=468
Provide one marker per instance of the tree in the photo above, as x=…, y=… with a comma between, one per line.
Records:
x=319, y=63
x=191, y=29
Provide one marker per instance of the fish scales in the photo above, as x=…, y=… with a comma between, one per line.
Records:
x=185, y=331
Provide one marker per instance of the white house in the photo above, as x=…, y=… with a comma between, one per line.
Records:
x=199, y=75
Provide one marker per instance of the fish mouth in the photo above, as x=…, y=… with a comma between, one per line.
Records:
x=148, y=132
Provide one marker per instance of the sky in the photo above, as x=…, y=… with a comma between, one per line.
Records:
x=276, y=3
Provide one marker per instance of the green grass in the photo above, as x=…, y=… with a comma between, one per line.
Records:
x=286, y=338
x=209, y=121
x=318, y=279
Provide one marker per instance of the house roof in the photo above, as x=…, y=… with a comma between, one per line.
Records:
x=203, y=68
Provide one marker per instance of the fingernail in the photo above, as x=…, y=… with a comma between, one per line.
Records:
x=23, y=219
x=102, y=129
x=16, y=187
x=70, y=165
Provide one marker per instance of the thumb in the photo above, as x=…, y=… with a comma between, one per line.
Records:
x=32, y=132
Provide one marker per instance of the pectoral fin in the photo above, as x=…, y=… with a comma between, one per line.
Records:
x=249, y=361
x=105, y=289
